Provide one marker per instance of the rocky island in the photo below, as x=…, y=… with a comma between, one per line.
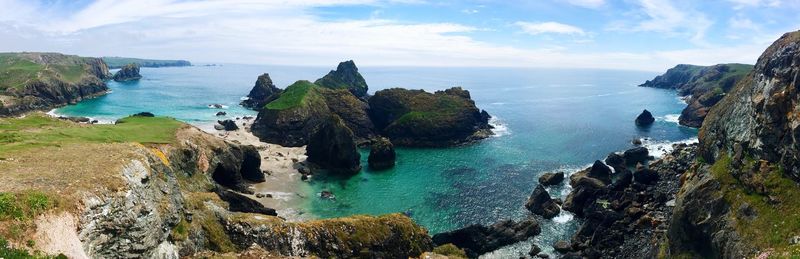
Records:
x=32, y=81
x=702, y=86
x=263, y=92
x=129, y=72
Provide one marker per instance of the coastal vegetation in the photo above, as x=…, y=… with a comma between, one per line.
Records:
x=294, y=96
x=17, y=70
x=118, y=62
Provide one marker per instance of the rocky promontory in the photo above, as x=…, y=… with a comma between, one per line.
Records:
x=263, y=92
x=345, y=76
x=32, y=81
x=129, y=72
x=703, y=87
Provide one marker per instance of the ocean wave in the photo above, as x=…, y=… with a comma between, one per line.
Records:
x=498, y=103
x=670, y=118
x=659, y=148
x=54, y=114
x=244, y=98
x=500, y=128
x=222, y=106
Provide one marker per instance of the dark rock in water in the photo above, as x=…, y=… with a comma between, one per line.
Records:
x=541, y=204
x=229, y=125
x=345, y=76
x=331, y=146
x=645, y=119
x=144, y=114
x=615, y=160
x=419, y=118
x=129, y=72
x=479, y=239
x=645, y=175
x=637, y=142
x=600, y=171
x=636, y=155
x=263, y=92
x=535, y=250
x=240, y=203
x=381, y=154
x=562, y=246
x=216, y=106
x=221, y=113
x=325, y=194
x=548, y=179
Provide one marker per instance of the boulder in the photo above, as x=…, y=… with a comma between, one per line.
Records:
x=600, y=172
x=562, y=246
x=636, y=155
x=540, y=203
x=548, y=179
x=345, y=76
x=221, y=114
x=645, y=175
x=381, y=154
x=331, y=146
x=615, y=160
x=479, y=239
x=263, y=92
x=228, y=125
x=129, y=72
x=645, y=119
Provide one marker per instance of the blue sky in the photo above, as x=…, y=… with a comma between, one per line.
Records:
x=619, y=34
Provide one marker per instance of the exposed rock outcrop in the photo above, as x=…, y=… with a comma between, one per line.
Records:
x=381, y=154
x=345, y=76
x=551, y=178
x=541, y=204
x=263, y=92
x=331, y=146
x=419, y=118
x=52, y=83
x=479, y=239
x=645, y=119
x=129, y=72
x=704, y=86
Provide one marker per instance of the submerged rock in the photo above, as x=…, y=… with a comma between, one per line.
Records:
x=478, y=239
x=263, y=92
x=129, y=72
x=381, y=154
x=541, y=204
x=645, y=119
x=331, y=146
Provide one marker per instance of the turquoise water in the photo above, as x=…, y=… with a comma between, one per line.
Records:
x=550, y=119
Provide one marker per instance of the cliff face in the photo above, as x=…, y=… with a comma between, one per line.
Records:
x=331, y=146
x=39, y=81
x=263, y=92
x=129, y=72
x=705, y=85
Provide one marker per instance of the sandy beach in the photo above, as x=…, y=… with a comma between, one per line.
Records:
x=283, y=189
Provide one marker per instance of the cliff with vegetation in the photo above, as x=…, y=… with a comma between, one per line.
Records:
x=38, y=81
x=703, y=86
x=119, y=62
x=129, y=72
x=152, y=187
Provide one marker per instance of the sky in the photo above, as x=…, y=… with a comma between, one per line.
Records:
x=647, y=35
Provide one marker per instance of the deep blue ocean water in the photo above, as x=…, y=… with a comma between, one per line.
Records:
x=548, y=120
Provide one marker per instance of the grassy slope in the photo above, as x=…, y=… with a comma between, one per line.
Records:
x=17, y=69
x=118, y=62
x=294, y=96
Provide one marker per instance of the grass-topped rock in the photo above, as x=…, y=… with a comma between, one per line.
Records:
x=129, y=72
x=345, y=76
x=419, y=118
x=37, y=81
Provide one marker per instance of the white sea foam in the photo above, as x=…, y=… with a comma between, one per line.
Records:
x=563, y=217
x=244, y=98
x=498, y=103
x=671, y=118
x=500, y=128
x=54, y=114
x=659, y=148
x=212, y=106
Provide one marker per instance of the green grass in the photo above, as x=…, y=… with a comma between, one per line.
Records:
x=19, y=69
x=24, y=206
x=38, y=130
x=450, y=250
x=774, y=224
x=16, y=71
x=8, y=252
x=118, y=62
x=293, y=96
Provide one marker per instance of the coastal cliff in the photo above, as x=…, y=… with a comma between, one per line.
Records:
x=119, y=62
x=703, y=86
x=40, y=81
x=170, y=190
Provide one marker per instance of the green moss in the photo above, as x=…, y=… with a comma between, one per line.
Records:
x=181, y=231
x=294, y=96
x=218, y=240
x=450, y=250
x=38, y=130
x=774, y=224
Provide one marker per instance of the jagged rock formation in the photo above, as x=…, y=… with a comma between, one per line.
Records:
x=479, y=239
x=548, y=179
x=381, y=154
x=129, y=72
x=345, y=76
x=419, y=118
x=41, y=81
x=541, y=204
x=263, y=92
x=331, y=146
x=705, y=85
x=645, y=119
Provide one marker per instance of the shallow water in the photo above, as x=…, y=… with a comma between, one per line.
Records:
x=547, y=120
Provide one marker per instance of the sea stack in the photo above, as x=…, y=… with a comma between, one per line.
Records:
x=645, y=119
x=345, y=76
x=263, y=92
x=331, y=147
x=381, y=154
x=129, y=72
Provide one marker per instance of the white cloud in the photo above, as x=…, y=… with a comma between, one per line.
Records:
x=739, y=4
x=664, y=17
x=587, y=3
x=470, y=11
x=536, y=28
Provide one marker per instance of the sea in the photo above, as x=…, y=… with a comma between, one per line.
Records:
x=546, y=120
